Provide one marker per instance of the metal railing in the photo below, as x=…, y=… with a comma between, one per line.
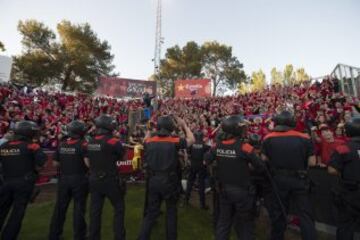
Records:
x=349, y=79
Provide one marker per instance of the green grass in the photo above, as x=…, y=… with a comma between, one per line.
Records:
x=193, y=223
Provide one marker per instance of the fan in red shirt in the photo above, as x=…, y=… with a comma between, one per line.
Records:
x=328, y=143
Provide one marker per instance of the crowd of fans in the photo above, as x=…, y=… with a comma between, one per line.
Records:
x=320, y=109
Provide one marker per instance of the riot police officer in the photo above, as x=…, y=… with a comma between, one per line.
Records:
x=260, y=179
x=20, y=159
x=162, y=166
x=197, y=168
x=233, y=158
x=289, y=154
x=73, y=182
x=102, y=154
x=345, y=163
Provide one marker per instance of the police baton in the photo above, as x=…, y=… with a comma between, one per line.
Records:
x=146, y=202
x=276, y=191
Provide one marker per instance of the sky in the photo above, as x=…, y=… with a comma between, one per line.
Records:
x=314, y=34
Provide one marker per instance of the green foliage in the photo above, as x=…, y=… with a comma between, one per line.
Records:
x=301, y=75
x=179, y=63
x=276, y=77
x=258, y=80
x=76, y=61
x=2, y=47
x=289, y=74
x=221, y=66
x=211, y=60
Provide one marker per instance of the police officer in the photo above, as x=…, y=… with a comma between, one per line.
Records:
x=233, y=158
x=289, y=154
x=102, y=154
x=259, y=179
x=197, y=168
x=162, y=166
x=73, y=182
x=345, y=163
x=20, y=159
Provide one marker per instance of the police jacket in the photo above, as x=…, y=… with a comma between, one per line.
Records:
x=232, y=159
x=288, y=150
x=161, y=153
x=346, y=159
x=104, y=151
x=70, y=154
x=197, y=152
x=20, y=158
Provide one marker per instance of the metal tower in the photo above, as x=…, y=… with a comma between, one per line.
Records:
x=158, y=38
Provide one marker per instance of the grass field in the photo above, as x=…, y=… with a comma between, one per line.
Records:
x=193, y=223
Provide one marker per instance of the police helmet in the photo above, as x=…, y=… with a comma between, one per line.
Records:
x=27, y=129
x=285, y=119
x=199, y=136
x=105, y=123
x=165, y=125
x=234, y=125
x=76, y=129
x=352, y=128
x=255, y=140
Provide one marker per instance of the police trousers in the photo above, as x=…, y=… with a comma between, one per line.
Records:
x=15, y=194
x=99, y=189
x=236, y=208
x=199, y=172
x=161, y=188
x=348, y=216
x=294, y=191
x=70, y=187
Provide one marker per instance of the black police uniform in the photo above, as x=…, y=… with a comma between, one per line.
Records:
x=19, y=159
x=237, y=194
x=73, y=183
x=161, y=161
x=346, y=160
x=288, y=152
x=104, y=151
x=260, y=180
x=197, y=169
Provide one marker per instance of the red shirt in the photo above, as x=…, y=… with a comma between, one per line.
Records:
x=328, y=148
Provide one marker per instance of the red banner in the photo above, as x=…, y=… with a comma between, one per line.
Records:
x=123, y=87
x=193, y=88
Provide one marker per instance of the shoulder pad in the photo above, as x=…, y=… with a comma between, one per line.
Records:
x=247, y=148
x=113, y=141
x=33, y=146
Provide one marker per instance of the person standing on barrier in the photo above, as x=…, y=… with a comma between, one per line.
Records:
x=21, y=159
x=73, y=182
x=162, y=166
x=197, y=168
x=233, y=158
x=345, y=163
x=102, y=154
x=289, y=154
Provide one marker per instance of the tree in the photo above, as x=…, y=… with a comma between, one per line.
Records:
x=276, y=77
x=289, y=74
x=301, y=75
x=76, y=61
x=245, y=86
x=179, y=63
x=2, y=47
x=258, y=80
x=37, y=64
x=221, y=66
